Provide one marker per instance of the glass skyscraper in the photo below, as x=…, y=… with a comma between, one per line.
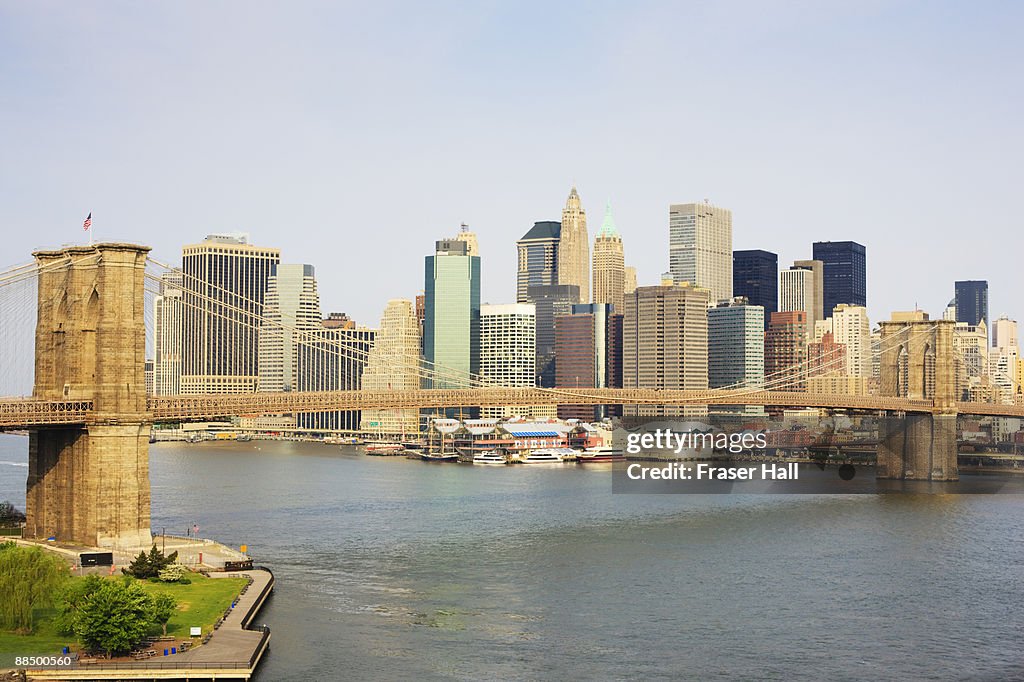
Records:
x=845, y=274
x=755, y=276
x=538, y=258
x=451, y=322
x=972, y=302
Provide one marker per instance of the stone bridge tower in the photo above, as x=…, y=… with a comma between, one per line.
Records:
x=90, y=485
x=917, y=363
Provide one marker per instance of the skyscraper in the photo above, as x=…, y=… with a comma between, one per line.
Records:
x=538, y=258
x=167, y=335
x=332, y=360
x=291, y=312
x=845, y=273
x=736, y=347
x=394, y=364
x=817, y=310
x=508, y=347
x=468, y=236
x=755, y=276
x=550, y=301
x=609, y=264
x=665, y=345
x=700, y=247
x=574, y=247
x=972, y=302
x=451, y=323
x=851, y=328
x=225, y=280
x=1004, y=333
x=797, y=292
x=785, y=351
x=630, y=280
x=588, y=354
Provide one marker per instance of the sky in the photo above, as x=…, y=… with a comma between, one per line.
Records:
x=354, y=135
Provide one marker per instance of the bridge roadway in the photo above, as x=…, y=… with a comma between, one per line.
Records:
x=19, y=413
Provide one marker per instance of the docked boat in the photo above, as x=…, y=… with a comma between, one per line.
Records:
x=439, y=456
x=544, y=456
x=601, y=455
x=490, y=457
x=384, y=449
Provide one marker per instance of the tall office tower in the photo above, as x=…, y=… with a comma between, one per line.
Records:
x=291, y=312
x=629, y=285
x=508, y=352
x=225, y=280
x=972, y=302
x=785, y=351
x=736, y=348
x=332, y=360
x=167, y=317
x=970, y=356
x=851, y=327
x=1002, y=371
x=796, y=292
x=1004, y=333
x=588, y=354
x=665, y=345
x=817, y=310
x=550, y=300
x=538, y=258
x=394, y=364
x=755, y=276
x=574, y=247
x=451, y=322
x=845, y=273
x=609, y=264
x=700, y=247
x=468, y=236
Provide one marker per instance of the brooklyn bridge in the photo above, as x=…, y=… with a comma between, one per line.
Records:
x=89, y=417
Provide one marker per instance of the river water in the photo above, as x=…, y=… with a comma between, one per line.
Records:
x=395, y=569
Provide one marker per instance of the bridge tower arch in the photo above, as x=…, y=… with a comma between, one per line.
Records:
x=89, y=484
x=917, y=364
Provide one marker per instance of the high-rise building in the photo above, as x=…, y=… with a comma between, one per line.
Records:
x=394, y=364
x=785, y=351
x=451, y=323
x=332, y=360
x=574, y=247
x=508, y=347
x=665, y=345
x=588, y=354
x=755, y=276
x=225, y=280
x=538, y=258
x=970, y=356
x=629, y=286
x=167, y=335
x=736, y=347
x=468, y=236
x=844, y=273
x=797, y=292
x=972, y=302
x=291, y=312
x=826, y=357
x=700, y=247
x=550, y=301
x=1004, y=333
x=852, y=329
x=609, y=264
x=817, y=310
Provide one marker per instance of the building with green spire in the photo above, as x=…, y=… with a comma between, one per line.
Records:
x=609, y=264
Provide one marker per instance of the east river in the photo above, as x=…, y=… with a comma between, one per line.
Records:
x=394, y=569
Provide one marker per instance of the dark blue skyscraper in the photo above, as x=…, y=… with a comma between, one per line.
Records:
x=972, y=302
x=845, y=274
x=755, y=274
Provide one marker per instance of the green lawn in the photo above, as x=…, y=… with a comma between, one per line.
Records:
x=199, y=604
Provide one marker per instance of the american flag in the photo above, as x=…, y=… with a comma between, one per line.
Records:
x=88, y=222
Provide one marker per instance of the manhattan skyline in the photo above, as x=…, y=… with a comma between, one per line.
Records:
x=333, y=133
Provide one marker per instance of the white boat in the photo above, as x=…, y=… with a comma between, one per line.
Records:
x=601, y=455
x=544, y=456
x=490, y=457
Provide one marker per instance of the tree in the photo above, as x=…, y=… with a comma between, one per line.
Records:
x=164, y=606
x=115, y=618
x=150, y=565
x=29, y=578
x=9, y=515
x=71, y=599
x=172, y=574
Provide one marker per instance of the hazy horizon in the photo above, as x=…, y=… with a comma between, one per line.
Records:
x=352, y=137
